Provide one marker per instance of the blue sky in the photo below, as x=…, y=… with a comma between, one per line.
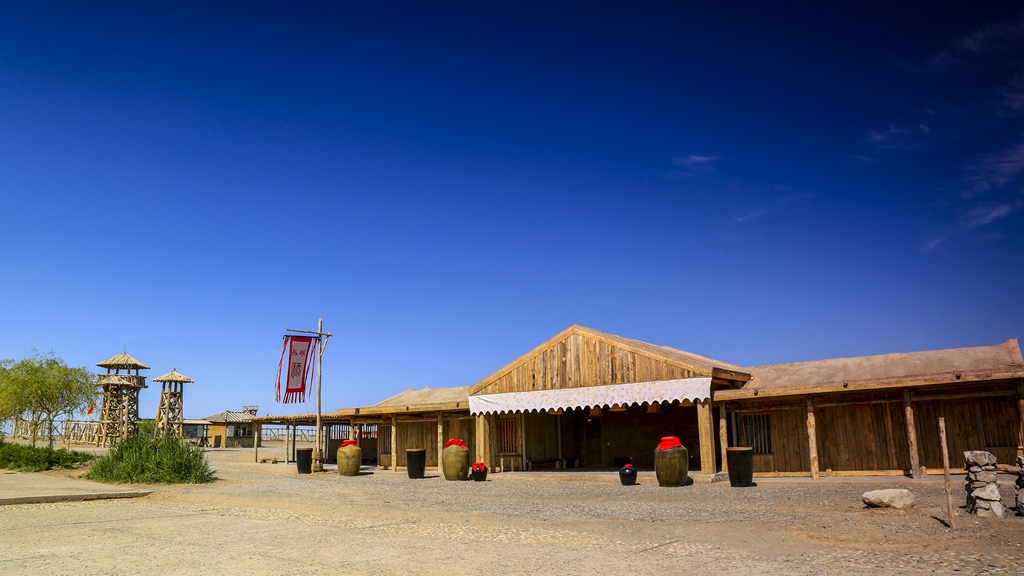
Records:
x=449, y=184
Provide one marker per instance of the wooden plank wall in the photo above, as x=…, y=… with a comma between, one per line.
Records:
x=997, y=433
x=857, y=437
x=464, y=428
x=871, y=435
x=579, y=361
x=417, y=435
x=788, y=440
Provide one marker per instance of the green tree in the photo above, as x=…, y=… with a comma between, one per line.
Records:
x=43, y=388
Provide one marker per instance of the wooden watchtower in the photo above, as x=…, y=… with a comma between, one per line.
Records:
x=119, y=416
x=169, y=415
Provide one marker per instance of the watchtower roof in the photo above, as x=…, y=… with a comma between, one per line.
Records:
x=122, y=362
x=174, y=376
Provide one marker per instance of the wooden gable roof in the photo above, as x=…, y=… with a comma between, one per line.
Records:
x=579, y=357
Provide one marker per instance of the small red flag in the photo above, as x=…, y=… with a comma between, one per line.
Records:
x=91, y=408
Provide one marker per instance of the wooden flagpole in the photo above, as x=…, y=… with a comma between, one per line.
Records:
x=318, y=455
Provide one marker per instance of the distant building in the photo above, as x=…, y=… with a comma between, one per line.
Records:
x=230, y=429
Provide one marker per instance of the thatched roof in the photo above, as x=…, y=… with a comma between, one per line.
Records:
x=174, y=376
x=122, y=362
x=115, y=379
x=1000, y=361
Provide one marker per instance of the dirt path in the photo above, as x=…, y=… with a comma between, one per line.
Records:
x=266, y=519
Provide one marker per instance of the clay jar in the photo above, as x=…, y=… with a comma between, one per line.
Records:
x=350, y=458
x=455, y=460
x=671, y=462
x=627, y=475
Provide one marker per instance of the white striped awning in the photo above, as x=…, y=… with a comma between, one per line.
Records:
x=692, y=389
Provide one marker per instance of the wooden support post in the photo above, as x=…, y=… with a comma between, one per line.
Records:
x=723, y=436
x=945, y=471
x=258, y=429
x=908, y=410
x=706, y=437
x=812, y=439
x=394, y=442
x=481, y=440
x=440, y=443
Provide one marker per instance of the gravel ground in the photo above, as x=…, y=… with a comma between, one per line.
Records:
x=266, y=519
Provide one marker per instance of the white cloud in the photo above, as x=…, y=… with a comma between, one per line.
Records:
x=934, y=243
x=984, y=215
x=994, y=38
x=995, y=171
x=693, y=160
x=692, y=165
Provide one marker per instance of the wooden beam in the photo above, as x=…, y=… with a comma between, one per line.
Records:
x=258, y=429
x=908, y=410
x=945, y=473
x=812, y=440
x=440, y=443
x=706, y=436
x=723, y=436
x=990, y=394
x=734, y=375
x=394, y=444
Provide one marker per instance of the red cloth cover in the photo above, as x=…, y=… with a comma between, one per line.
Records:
x=455, y=442
x=668, y=442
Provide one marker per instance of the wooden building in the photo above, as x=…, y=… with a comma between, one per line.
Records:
x=594, y=400
x=230, y=429
x=879, y=414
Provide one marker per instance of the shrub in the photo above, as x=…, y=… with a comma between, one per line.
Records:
x=146, y=460
x=29, y=459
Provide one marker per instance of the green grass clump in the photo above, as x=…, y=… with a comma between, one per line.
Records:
x=146, y=460
x=29, y=459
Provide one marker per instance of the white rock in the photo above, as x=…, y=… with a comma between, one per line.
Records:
x=891, y=498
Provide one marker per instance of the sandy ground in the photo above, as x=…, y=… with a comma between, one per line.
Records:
x=267, y=519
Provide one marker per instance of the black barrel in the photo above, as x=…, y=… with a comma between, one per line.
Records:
x=416, y=462
x=741, y=466
x=304, y=460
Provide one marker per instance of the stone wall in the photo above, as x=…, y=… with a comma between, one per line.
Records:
x=982, y=487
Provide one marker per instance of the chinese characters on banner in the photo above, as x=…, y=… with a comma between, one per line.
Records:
x=298, y=351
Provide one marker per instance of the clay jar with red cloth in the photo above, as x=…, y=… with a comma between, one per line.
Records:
x=455, y=460
x=671, y=462
x=350, y=458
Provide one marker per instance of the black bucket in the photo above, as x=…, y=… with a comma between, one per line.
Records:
x=741, y=466
x=416, y=462
x=304, y=460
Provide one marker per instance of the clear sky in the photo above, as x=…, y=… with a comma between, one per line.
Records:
x=448, y=184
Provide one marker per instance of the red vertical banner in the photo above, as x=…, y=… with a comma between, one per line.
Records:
x=297, y=366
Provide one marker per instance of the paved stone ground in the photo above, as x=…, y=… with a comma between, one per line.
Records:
x=266, y=519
